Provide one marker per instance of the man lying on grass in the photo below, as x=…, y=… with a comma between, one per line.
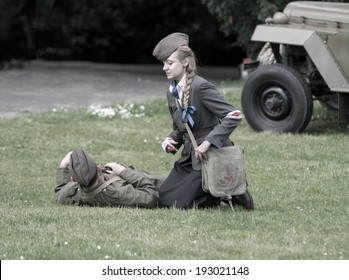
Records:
x=80, y=181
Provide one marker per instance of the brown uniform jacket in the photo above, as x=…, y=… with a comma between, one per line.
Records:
x=131, y=189
x=211, y=113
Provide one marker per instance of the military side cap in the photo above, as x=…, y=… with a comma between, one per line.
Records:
x=82, y=167
x=169, y=45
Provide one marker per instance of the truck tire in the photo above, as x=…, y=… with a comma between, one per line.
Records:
x=277, y=98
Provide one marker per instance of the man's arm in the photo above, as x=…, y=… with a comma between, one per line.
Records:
x=138, y=190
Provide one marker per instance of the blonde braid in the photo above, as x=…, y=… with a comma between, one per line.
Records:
x=183, y=53
x=186, y=95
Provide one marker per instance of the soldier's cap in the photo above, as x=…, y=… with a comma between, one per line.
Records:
x=82, y=167
x=169, y=45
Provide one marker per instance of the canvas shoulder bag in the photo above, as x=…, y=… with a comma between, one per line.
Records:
x=223, y=173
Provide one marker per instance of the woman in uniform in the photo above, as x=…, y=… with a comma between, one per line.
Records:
x=211, y=118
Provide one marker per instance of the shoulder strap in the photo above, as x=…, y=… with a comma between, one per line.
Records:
x=99, y=189
x=192, y=138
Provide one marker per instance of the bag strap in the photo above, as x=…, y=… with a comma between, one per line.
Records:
x=191, y=136
x=98, y=190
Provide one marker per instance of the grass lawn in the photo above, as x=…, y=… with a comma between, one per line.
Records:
x=299, y=184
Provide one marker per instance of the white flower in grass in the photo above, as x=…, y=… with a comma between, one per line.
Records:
x=66, y=243
x=125, y=111
x=131, y=254
x=99, y=247
x=124, y=114
x=107, y=112
x=138, y=116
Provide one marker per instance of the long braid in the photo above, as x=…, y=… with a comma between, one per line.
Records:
x=183, y=53
x=186, y=96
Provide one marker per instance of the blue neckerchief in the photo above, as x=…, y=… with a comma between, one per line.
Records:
x=174, y=90
x=186, y=115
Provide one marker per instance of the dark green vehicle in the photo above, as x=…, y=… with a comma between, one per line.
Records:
x=305, y=58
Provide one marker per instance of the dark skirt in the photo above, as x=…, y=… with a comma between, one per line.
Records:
x=183, y=189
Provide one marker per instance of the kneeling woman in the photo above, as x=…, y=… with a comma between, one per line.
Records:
x=194, y=100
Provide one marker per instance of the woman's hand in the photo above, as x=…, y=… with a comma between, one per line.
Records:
x=200, y=152
x=168, y=144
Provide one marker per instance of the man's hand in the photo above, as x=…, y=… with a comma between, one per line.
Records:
x=116, y=168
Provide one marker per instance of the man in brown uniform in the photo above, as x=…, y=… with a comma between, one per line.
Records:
x=80, y=181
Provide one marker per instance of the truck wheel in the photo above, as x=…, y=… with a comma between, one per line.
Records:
x=277, y=98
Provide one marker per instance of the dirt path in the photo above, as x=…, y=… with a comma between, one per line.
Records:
x=42, y=85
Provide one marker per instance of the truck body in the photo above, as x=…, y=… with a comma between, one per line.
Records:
x=305, y=58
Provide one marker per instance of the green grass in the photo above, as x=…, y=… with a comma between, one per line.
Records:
x=299, y=184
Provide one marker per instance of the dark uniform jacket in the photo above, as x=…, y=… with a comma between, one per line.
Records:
x=212, y=114
x=131, y=188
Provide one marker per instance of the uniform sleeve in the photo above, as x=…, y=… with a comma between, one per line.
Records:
x=138, y=190
x=176, y=134
x=67, y=192
x=62, y=178
x=228, y=115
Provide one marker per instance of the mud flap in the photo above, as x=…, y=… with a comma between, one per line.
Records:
x=343, y=108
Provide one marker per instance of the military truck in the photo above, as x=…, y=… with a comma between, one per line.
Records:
x=305, y=58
